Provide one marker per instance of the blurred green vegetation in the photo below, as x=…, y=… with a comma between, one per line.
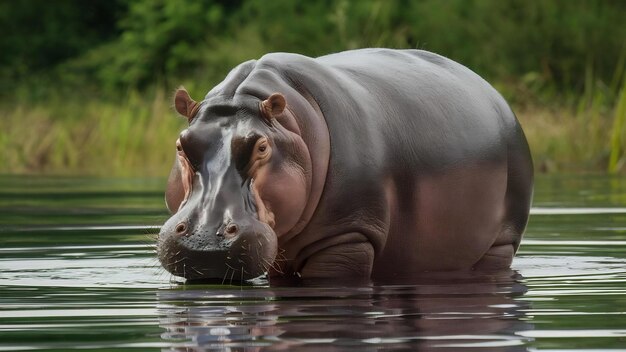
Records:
x=86, y=85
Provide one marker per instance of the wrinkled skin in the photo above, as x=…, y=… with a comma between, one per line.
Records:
x=368, y=163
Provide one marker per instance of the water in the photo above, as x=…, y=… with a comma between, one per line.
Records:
x=78, y=271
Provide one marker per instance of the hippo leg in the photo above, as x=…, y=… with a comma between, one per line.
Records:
x=348, y=259
x=501, y=253
x=519, y=195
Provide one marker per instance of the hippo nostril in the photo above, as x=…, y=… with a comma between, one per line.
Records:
x=231, y=229
x=181, y=228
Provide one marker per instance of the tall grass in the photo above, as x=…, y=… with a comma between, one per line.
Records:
x=134, y=137
x=563, y=139
x=617, y=157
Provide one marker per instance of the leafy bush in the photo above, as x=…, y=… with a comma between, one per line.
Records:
x=119, y=44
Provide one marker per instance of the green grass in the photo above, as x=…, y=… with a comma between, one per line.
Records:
x=135, y=137
x=618, y=135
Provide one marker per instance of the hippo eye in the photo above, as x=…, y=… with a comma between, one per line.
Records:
x=263, y=148
x=262, y=144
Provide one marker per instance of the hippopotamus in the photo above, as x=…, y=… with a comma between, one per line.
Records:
x=370, y=163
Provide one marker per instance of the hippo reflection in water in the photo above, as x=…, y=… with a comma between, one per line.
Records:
x=429, y=312
x=367, y=163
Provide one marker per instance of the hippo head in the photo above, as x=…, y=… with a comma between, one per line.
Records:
x=240, y=180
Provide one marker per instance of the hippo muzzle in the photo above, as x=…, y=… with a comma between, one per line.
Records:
x=240, y=250
x=217, y=232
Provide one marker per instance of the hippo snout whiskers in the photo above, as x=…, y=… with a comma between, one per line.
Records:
x=232, y=273
x=196, y=270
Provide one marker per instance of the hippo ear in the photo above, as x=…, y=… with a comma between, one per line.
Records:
x=273, y=106
x=185, y=105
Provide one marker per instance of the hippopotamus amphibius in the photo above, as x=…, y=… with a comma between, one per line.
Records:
x=369, y=163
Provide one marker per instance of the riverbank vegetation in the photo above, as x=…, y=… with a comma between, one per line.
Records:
x=86, y=87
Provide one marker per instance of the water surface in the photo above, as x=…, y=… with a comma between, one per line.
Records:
x=78, y=271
